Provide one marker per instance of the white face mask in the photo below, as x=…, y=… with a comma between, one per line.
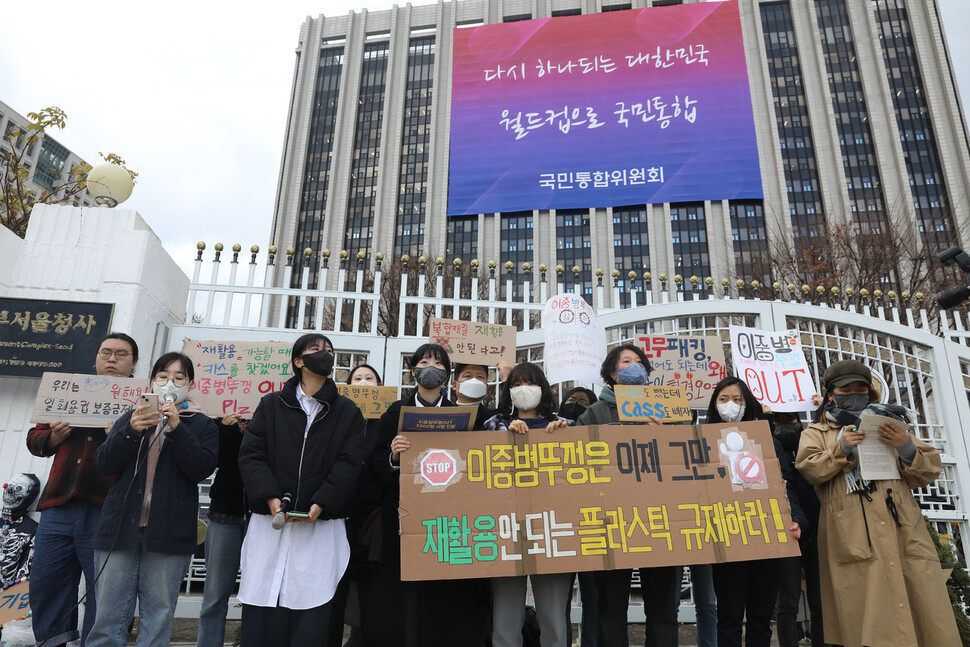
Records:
x=473, y=389
x=526, y=397
x=181, y=393
x=730, y=411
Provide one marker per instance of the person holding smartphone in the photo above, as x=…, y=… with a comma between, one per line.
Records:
x=302, y=450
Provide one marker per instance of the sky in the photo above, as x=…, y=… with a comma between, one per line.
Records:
x=195, y=97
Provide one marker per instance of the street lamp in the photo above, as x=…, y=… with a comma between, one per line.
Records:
x=109, y=184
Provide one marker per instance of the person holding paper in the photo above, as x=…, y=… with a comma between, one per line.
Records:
x=300, y=461
x=433, y=612
x=71, y=507
x=627, y=364
x=880, y=573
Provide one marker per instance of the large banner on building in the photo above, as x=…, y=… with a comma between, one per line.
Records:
x=491, y=504
x=626, y=107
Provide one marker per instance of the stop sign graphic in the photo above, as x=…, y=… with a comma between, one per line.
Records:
x=438, y=467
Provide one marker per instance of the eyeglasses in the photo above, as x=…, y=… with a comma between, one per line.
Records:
x=106, y=353
x=583, y=403
x=178, y=380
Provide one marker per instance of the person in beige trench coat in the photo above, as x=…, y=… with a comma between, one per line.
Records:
x=881, y=580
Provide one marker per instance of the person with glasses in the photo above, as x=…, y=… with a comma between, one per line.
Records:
x=148, y=529
x=70, y=508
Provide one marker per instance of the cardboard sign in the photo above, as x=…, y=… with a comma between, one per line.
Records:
x=15, y=602
x=637, y=403
x=695, y=363
x=372, y=401
x=472, y=342
x=773, y=366
x=491, y=504
x=575, y=345
x=37, y=336
x=86, y=400
x=231, y=377
x=436, y=419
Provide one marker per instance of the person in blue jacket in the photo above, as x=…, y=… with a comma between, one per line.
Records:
x=148, y=528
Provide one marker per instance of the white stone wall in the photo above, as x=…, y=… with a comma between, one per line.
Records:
x=85, y=254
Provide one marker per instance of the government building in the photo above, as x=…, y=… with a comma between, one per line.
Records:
x=855, y=111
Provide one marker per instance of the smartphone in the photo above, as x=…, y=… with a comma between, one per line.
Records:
x=150, y=399
x=298, y=515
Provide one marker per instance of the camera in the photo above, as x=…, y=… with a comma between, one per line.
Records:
x=952, y=297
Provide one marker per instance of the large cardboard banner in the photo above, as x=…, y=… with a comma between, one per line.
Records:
x=372, y=401
x=474, y=342
x=231, y=376
x=86, y=400
x=626, y=107
x=574, y=344
x=635, y=403
x=693, y=362
x=773, y=366
x=492, y=504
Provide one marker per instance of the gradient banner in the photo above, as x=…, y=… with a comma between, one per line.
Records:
x=628, y=107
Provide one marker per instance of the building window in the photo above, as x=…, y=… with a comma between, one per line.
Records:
x=573, y=249
x=631, y=248
x=687, y=222
x=462, y=237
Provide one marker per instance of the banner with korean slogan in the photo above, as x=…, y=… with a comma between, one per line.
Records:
x=575, y=345
x=473, y=342
x=372, y=401
x=86, y=400
x=636, y=403
x=773, y=366
x=231, y=376
x=693, y=362
x=490, y=504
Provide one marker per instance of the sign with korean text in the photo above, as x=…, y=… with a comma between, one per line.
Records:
x=637, y=403
x=372, y=401
x=696, y=363
x=231, y=377
x=38, y=336
x=473, y=342
x=414, y=419
x=86, y=400
x=773, y=366
x=491, y=504
x=15, y=602
x=625, y=107
x=574, y=344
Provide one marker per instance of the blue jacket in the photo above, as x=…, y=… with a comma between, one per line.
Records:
x=187, y=456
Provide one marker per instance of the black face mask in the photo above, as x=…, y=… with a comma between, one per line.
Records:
x=319, y=363
x=788, y=435
x=572, y=411
x=853, y=402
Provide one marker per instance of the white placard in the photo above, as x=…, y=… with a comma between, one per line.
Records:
x=575, y=345
x=877, y=460
x=773, y=366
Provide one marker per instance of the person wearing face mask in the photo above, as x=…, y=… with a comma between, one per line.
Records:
x=470, y=389
x=746, y=591
x=627, y=364
x=300, y=461
x=435, y=612
x=526, y=402
x=70, y=507
x=879, y=576
x=147, y=533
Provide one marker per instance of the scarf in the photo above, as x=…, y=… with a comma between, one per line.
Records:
x=853, y=478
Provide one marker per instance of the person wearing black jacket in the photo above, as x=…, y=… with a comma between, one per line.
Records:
x=414, y=614
x=300, y=461
x=224, y=537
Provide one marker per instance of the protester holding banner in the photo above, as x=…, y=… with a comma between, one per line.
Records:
x=300, y=461
x=880, y=573
x=627, y=364
x=434, y=612
x=71, y=507
x=148, y=527
x=227, y=518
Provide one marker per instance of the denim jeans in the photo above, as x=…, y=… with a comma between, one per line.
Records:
x=705, y=603
x=62, y=552
x=223, y=543
x=154, y=578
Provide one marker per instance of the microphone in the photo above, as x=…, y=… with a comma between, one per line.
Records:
x=286, y=504
x=170, y=397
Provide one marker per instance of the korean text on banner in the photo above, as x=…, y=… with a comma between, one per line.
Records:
x=86, y=400
x=693, y=362
x=418, y=419
x=637, y=403
x=575, y=345
x=487, y=504
x=473, y=342
x=773, y=366
x=231, y=376
x=372, y=401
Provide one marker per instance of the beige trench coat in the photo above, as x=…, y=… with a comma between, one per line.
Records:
x=882, y=585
